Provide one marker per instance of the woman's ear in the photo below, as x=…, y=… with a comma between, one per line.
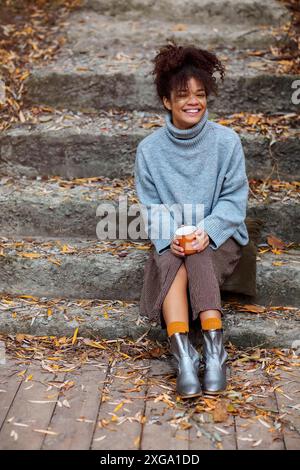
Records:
x=167, y=103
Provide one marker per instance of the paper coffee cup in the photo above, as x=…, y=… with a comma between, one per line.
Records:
x=185, y=235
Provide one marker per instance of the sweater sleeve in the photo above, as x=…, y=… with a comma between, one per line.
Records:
x=231, y=207
x=155, y=214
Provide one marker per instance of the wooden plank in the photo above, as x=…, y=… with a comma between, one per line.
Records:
x=75, y=420
x=10, y=382
x=287, y=392
x=206, y=434
x=120, y=418
x=210, y=435
x=257, y=432
x=159, y=432
x=25, y=415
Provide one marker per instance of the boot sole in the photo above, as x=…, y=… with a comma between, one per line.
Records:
x=219, y=392
x=191, y=396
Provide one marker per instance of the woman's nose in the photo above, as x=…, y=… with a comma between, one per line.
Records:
x=193, y=99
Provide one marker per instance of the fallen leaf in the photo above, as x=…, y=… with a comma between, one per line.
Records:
x=75, y=336
x=275, y=242
x=179, y=27
x=252, y=308
x=257, y=443
x=220, y=412
x=45, y=431
x=30, y=255
x=119, y=406
x=14, y=434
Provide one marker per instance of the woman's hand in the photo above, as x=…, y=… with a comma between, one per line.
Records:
x=200, y=243
x=176, y=249
x=202, y=240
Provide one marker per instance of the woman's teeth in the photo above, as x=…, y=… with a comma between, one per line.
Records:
x=192, y=111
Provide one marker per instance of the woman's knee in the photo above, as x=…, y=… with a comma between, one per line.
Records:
x=182, y=274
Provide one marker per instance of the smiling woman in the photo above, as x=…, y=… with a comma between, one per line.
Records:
x=191, y=161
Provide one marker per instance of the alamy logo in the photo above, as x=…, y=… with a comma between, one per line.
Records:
x=296, y=94
x=137, y=221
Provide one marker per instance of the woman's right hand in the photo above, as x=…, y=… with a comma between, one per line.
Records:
x=176, y=249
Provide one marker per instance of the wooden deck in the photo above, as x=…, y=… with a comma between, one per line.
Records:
x=132, y=405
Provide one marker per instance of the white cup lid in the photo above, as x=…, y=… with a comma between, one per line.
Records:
x=185, y=230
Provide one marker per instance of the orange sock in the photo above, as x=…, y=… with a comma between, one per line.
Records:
x=212, y=323
x=177, y=327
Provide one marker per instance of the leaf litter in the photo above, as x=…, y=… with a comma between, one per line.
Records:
x=255, y=374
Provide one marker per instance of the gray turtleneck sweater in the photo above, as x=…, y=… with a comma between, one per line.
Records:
x=202, y=171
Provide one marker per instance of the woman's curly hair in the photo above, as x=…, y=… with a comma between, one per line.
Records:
x=174, y=65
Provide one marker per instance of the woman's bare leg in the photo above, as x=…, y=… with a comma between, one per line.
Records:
x=175, y=312
x=175, y=305
x=210, y=314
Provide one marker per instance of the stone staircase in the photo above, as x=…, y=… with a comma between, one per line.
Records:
x=102, y=103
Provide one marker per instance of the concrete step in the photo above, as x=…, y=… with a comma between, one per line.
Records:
x=90, y=32
x=75, y=145
x=89, y=83
x=113, y=319
x=59, y=208
x=90, y=269
x=228, y=11
x=104, y=64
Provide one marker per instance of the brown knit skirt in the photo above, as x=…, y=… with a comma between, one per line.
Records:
x=206, y=273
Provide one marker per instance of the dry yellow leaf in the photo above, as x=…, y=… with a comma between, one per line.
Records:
x=29, y=297
x=54, y=261
x=75, y=336
x=30, y=255
x=20, y=337
x=20, y=374
x=137, y=441
x=252, y=308
x=179, y=27
x=119, y=406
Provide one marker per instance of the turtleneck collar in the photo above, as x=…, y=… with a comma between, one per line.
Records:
x=186, y=137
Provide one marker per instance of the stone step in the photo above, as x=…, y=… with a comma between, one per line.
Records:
x=93, y=83
x=104, y=64
x=90, y=269
x=227, y=11
x=90, y=32
x=113, y=319
x=60, y=208
x=104, y=144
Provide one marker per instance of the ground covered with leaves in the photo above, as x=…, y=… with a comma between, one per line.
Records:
x=134, y=394
x=29, y=34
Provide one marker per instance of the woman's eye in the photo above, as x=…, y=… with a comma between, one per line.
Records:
x=201, y=95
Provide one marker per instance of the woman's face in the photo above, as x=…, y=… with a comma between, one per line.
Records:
x=187, y=106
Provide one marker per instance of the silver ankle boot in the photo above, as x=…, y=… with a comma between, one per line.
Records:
x=188, y=360
x=215, y=357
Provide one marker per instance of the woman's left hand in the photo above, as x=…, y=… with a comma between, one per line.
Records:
x=201, y=241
